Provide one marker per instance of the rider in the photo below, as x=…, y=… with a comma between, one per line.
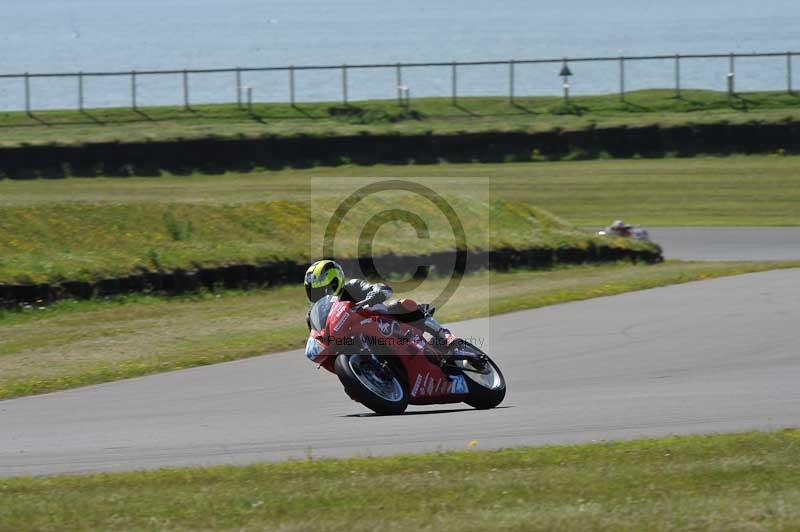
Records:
x=326, y=277
x=620, y=228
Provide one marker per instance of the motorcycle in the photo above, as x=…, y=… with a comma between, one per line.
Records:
x=632, y=231
x=387, y=364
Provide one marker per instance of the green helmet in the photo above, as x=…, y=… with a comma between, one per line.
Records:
x=323, y=278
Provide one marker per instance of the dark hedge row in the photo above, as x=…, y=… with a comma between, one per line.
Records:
x=246, y=276
x=218, y=155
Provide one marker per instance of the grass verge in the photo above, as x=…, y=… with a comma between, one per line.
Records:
x=719, y=482
x=76, y=343
x=742, y=190
x=426, y=115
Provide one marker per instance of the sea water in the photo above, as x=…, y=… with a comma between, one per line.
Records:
x=124, y=35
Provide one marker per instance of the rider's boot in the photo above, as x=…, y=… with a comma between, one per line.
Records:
x=440, y=336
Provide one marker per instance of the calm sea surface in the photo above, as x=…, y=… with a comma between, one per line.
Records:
x=123, y=35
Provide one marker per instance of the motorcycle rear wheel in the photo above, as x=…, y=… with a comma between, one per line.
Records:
x=378, y=388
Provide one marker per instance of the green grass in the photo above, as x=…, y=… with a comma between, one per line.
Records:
x=748, y=481
x=382, y=116
x=88, y=228
x=75, y=343
x=72, y=241
x=735, y=190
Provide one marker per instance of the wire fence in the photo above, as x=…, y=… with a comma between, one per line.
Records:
x=511, y=79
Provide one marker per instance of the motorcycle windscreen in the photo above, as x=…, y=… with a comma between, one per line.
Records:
x=319, y=312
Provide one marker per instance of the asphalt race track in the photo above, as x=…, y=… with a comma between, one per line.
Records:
x=728, y=243
x=719, y=355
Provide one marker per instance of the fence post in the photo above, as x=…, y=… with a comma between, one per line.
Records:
x=677, y=75
x=399, y=79
x=133, y=90
x=185, y=90
x=622, y=79
x=730, y=88
x=344, y=84
x=291, y=85
x=250, y=100
x=454, y=80
x=731, y=75
x=27, y=94
x=80, y=91
x=239, y=88
x=511, y=82
x=789, y=72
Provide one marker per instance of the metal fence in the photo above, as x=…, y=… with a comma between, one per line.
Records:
x=564, y=71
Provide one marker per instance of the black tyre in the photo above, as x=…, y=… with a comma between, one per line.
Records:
x=487, y=386
x=372, y=384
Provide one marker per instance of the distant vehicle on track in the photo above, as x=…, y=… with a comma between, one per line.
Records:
x=621, y=229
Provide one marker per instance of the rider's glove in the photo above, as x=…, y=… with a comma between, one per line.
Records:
x=371, y=299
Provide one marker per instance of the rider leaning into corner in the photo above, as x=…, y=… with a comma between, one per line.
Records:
x=620, y=228
x=326, y=278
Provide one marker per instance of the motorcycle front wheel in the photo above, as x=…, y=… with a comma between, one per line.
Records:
x=487, y=386
x=372, y=383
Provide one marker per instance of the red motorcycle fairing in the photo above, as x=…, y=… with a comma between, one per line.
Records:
x=426, y=382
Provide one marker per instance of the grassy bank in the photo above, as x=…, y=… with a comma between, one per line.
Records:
x=720, y=482
x=437, y=115
x=736, y=190
x=74, y=343
x=69, y=241
x=99, y=227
